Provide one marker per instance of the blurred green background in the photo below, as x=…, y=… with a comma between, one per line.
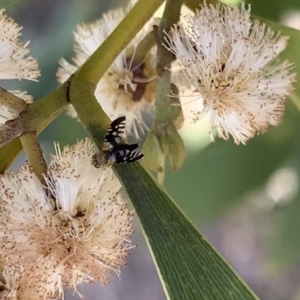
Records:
x=245, y=199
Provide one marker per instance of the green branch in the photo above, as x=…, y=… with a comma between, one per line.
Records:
x=36, y=117
x=8, y=154
x=90, y=113
x=164, y=59
x=34, y=153
x=11, y=101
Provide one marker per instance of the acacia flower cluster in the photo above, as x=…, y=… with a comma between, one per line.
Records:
x=75, y=229
x=230, y=62
x=15, y=61
x=128, y=86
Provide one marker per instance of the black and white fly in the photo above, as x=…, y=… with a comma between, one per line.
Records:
x=113, y=152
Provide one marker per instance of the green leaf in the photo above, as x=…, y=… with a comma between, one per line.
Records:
x=189, y=267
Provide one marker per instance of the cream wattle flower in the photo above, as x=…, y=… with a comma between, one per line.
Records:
x=75, y=229
x=229, y=60
x=15, y=62
x=128, y=86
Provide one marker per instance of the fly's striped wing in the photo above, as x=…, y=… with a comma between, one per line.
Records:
x=112, y=151
x=115, y=133
x=126, y=156
x=122, y=147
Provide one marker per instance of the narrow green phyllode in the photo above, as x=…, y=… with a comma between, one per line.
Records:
x=189, y=267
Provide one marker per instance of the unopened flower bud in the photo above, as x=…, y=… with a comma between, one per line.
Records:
x=154, y=155
x=173, y=147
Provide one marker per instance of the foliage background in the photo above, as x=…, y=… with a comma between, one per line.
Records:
x=245, y=199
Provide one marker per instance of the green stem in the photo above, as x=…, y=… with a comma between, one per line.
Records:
x=164, y=59
x=97, y=64
x=8, y=154
x=90, y=113
x=41, y=113
x=143, y=48
x=11, y=101
x=35, y=154
x=162, y=103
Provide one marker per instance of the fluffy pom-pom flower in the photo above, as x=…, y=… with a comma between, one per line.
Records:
x=75, y=229
x=128, y=86
x=229, y=60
